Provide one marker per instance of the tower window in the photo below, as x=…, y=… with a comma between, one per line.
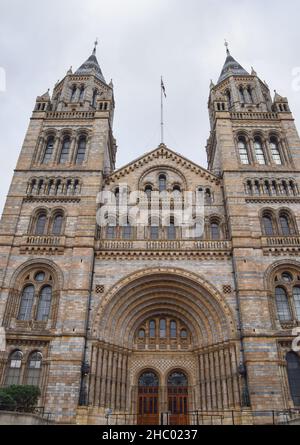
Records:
x=215, y=231
x=283, y=309
x=243, y=151
x=49, y=150
x=81, y=94
x=242, y=95
x=81, y=150
x=268, y=225
x=275, y=151
x=73, y=93
x=57, y=225
x=259, y=153
x=95, y=94
x=41, y=224
x=64, y=154
x=26, y=303
x=162, y=183
x=285, y=225
x=44, y=304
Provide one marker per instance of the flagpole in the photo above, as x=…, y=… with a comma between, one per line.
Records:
x=162, y=111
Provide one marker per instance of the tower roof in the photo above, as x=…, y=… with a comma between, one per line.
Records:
x=231, y=68
x=91, y=66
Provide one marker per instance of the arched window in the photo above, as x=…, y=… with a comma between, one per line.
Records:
x=48, y=150
x=44, y=304
x=34, y=368
x=173, y=329
x=183, y=333
x=149, y=379
x=268, y=225
x=275, y=151
x=259, y=152
x=80, y=155
x=228, y=95
x=110, y=232
x=283, y=308
x=215, y=230
x=208, y=197
x=243, y=151
x=127, y=231
x=148, y=191
x=284, y=225
x=296, y=295
x=95, y=94
x=162, y=328
x=13, y=372
x=177, y=379
x=293, y=370
x=152, y=329
x=242, y=96
x=154, y=232
x=65, y=151
x=25, y=311
x=73, y=93
x=172, y=230
x=81, y=95
x=57, y=225
x=142, y=333
x=41, y=224
x=162, y=183
x=249, y=90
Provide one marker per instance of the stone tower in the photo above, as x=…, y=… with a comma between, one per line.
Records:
x=255, y=148
x=48, y=231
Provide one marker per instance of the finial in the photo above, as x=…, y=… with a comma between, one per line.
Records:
x=227, y=47
x=95, y=47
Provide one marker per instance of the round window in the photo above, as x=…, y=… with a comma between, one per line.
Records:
x=40, y=276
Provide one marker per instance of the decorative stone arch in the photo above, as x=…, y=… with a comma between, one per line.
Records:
x=160, y=170
x=176, y=291
x=19, y=279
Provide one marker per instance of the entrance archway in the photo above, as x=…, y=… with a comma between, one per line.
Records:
x=148, y=399
x=178, y=398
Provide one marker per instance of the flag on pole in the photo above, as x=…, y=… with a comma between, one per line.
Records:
x=163, y=87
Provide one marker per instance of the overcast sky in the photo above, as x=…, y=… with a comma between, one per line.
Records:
x=140, y=40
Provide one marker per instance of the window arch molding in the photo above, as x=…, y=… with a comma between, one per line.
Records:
x=54, y=224
x=27, y=275
x=291, y=219
x=157, y=171
x=35, y=226
x=270, y=214
x=284, y=275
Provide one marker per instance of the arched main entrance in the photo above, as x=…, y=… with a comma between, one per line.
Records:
x=178, y=398
x=148, y=399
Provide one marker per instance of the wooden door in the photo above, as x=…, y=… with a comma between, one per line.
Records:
x=178, y=399
x=148, y=399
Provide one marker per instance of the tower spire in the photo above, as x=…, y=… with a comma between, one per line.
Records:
x=95, y=47
x=227, y=47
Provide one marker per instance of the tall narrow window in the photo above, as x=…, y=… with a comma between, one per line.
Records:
x=259, y=153
x=275, y=151
x=162, y=183
x=57, y=225
x=95, y=94
x=148, y=191
x=249, y=91
x=268, y=225
x=81, y=94
x=242, y=96
x=34, y=368
x=49, y=150
x=215, y=231
x=162, y=328
x=127, y=231
x=228, y=94
x=293, y=370
x=285, y=225
x=243, y=151
x=110, y=232
x=41, y=224
x=44, y=304
x=296, y=294
x=73, y=93
x=172, y=230
x=283, y=308
x=152, y=329
x=25, y=311
x=80, y=156
x=65, y=150
x=173, y=329
x=154, y=232
x=14, y=369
